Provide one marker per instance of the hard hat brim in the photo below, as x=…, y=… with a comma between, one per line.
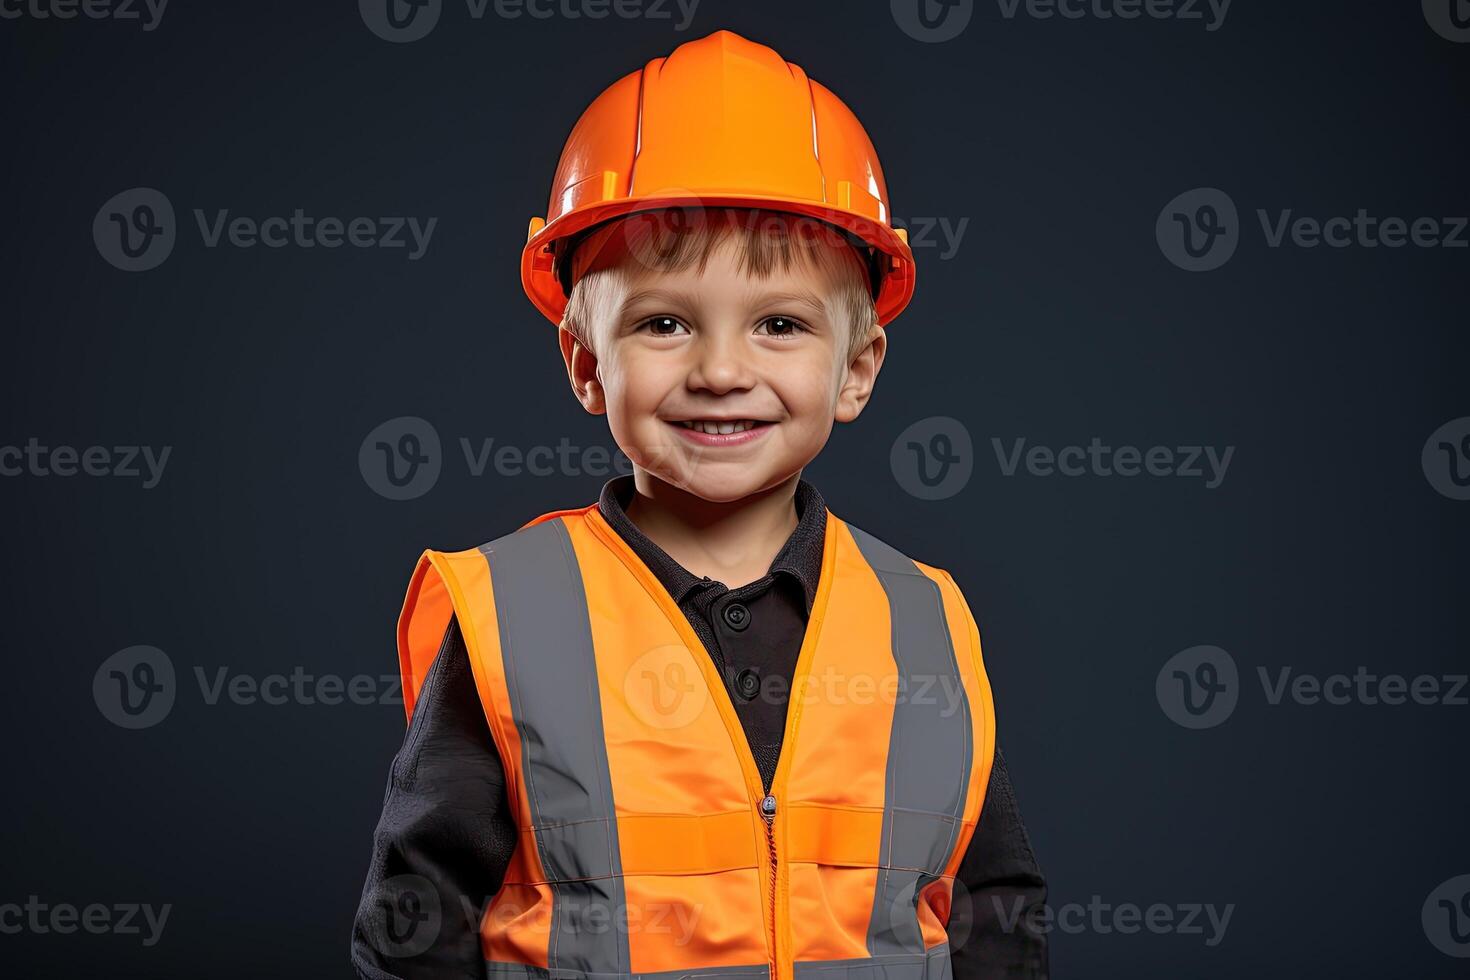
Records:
x=544, y=288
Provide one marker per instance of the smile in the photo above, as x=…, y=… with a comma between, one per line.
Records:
x=714, y=427
x=722, y=432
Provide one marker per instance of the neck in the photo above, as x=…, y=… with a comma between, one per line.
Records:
x=733, y=542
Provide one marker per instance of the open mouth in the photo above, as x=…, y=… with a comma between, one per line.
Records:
x=721, y=427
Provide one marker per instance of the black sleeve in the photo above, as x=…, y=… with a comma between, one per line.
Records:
x=444, y=839
x=991, y=938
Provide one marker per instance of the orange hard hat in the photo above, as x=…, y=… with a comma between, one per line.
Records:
x=720, y=122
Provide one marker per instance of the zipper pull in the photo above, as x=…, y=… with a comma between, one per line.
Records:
x=768, y=808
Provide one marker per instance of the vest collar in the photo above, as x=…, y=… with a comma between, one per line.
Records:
x=691, y=641
x=800, y=557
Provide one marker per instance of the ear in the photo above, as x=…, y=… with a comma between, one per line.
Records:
x=582, y=372
x=861, y=375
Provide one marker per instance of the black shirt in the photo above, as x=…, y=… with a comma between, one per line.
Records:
x=446, y=819
x=754, y=632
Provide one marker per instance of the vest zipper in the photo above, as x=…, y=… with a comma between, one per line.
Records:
x=768, y=811
x=714, y=678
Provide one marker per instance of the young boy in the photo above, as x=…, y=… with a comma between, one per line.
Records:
x=703, y=726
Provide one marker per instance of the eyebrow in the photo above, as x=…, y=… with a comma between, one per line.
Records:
x=665, y=295
x=801, y=298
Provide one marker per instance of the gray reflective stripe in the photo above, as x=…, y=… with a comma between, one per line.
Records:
x=551, y=677
x=520, y=971
x=931, y=965
x=929, y=751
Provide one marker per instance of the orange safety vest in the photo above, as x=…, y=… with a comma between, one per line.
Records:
x=647, y=845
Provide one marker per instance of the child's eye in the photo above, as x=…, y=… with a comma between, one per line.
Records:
x=783, y=326
x=661, y=326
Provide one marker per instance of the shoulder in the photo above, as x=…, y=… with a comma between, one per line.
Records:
x=887, y=557
x=541, y=527
x=899, y=571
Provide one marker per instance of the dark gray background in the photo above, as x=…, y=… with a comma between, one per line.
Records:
x=1059, y=319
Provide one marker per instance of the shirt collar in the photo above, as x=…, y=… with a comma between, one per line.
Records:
x=800, y=557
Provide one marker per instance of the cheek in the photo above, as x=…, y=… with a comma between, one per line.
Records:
x=635, y=387
x=810, y=389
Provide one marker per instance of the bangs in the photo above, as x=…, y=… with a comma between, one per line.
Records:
x=676, y=239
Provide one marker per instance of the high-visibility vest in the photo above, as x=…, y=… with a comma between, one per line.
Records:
x=648, y=846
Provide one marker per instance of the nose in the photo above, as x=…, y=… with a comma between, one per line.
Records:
x=721, y=363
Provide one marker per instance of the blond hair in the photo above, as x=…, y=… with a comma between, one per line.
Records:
x=673, y=239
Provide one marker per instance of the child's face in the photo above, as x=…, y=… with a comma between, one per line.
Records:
x=673, y=347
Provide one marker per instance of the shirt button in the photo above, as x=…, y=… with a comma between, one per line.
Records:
x=747, y=684
x=737, y=616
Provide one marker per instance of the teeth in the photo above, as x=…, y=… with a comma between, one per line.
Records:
x=719, y=428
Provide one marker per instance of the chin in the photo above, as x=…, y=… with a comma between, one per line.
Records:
x=721, y=483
